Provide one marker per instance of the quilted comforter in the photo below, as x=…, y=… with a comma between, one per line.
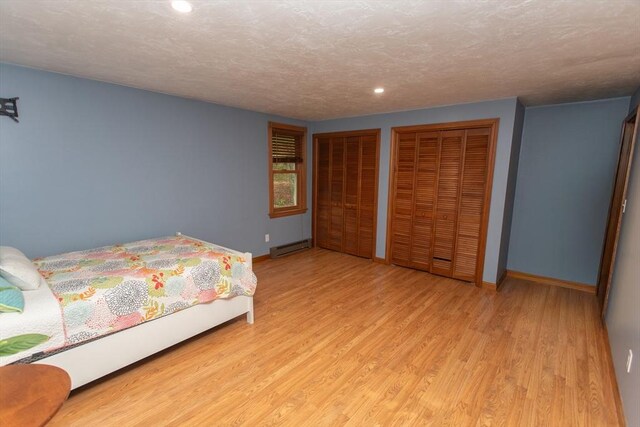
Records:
x=104, y=290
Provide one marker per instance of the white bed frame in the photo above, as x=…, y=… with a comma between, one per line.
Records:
x=98, y=358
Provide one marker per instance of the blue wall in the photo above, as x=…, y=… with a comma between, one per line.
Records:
x=565, y=178
x=635, y=100
x=623, y=316
x=92, y=164
x=516, y=144
x=504, y=109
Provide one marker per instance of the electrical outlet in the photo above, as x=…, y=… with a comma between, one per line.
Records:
x=629, y=360
x=266, y=238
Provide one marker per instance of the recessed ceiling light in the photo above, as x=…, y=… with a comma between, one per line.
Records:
x=379, y=90
x=181, y=6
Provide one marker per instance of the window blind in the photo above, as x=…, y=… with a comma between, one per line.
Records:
x=286, y=147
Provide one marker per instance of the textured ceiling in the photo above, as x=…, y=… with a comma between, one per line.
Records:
x=321, y=59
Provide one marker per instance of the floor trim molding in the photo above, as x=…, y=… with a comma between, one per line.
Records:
x=582, y=287
x=260, y=258
x=495, y=286
x=489, y=286
x=502, y=279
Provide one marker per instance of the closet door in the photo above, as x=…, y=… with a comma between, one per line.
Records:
x=424, y=200
x=345, y=186
x=323, y=193
x=351, y=194
x=447, y=197
x=472, y=195
x=336, y=220
x=403, y=192
x=438, y=196
x=368, y=190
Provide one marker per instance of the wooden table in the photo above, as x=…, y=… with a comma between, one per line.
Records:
x=30, y=395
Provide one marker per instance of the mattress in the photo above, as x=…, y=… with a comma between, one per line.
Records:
x=101, y=291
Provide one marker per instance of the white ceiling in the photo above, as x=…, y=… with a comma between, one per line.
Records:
x=321, y=59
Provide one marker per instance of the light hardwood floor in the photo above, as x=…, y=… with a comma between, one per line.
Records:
x=339, y=340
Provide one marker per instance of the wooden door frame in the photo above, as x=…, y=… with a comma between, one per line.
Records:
x=493, y=124
x=314, y=189
x=614, y=224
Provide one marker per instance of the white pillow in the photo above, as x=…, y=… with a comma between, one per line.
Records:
x=18, y=269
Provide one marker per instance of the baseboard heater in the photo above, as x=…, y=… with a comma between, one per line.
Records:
x=289, y=248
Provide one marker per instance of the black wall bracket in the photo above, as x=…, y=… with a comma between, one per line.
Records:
x=9, y=108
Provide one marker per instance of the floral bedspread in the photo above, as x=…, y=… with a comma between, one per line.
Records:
x=114, y=287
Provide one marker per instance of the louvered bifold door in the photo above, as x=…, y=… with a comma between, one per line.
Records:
x=472, y=194
x=402, y=215
x=323, y=193
x=336, y=220
x=447, y=195
x=424, y=199
x=368, y=156
x=351, y=194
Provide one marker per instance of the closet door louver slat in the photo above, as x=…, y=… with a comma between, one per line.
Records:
x=424, y=200
x=352, y=172
x=471, y=203
x=368, y=190
x=402, y=215
x=336, y=222
x=447, y=188
x=323, y=196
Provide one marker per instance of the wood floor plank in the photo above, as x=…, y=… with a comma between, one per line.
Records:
x=339, y=340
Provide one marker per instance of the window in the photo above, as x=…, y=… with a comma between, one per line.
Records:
x=287, y=170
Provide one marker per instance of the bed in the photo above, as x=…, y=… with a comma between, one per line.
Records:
x=106, y=308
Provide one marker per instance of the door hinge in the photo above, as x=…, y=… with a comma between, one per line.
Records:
x=624, y=205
